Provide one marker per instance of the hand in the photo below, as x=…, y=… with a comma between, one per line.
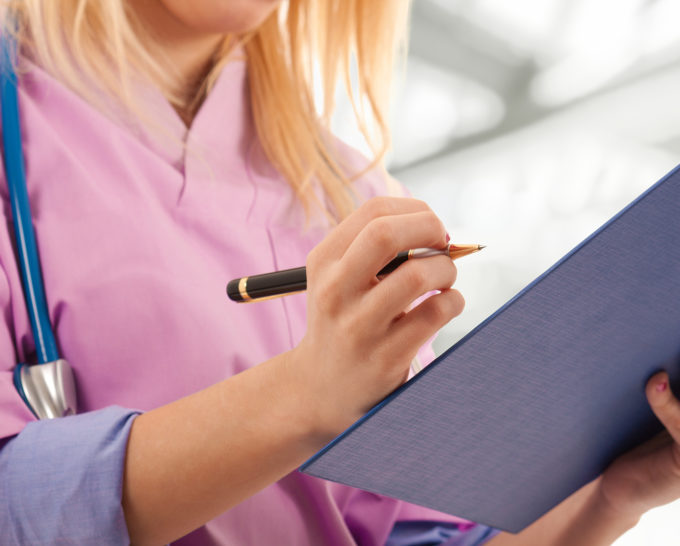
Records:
x=360, y=339
x=648, y=475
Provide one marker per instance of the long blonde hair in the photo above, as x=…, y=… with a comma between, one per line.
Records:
x=93, y=42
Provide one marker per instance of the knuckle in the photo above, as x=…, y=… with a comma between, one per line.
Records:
x=312, y=260
x=382, y=233
x=326, y=303
x=453, y=272
x=333, y=284
x=447, y=307
x=378, y=206
x=416, y=277
x=433, y=221
x=458, y=303
x=435, y=225
x=420, y=205
x=440, y=311
x=329, y=299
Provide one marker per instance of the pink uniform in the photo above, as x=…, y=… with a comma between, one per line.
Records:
x=138, y=236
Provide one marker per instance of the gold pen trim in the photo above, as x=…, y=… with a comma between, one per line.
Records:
x=243, y=289
x=264, y=298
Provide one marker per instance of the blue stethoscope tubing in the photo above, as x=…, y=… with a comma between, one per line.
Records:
x=29, y=263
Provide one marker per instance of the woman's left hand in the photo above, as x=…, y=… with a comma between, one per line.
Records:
x=601, y=511
x=648, y=475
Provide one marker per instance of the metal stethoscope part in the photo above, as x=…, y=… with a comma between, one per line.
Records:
x=48, y=387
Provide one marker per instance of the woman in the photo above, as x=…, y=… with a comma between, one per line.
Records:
x=171, y=146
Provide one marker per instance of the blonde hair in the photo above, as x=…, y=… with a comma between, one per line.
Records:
x=86, y=43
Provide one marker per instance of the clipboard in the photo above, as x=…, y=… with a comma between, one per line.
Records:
x=538, y=399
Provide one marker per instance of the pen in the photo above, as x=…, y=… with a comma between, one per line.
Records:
x=291, y=281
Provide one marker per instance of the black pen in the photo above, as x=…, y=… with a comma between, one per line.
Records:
x=291, y=281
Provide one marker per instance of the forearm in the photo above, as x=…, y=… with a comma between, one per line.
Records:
x=582, y=518
x=192, y=459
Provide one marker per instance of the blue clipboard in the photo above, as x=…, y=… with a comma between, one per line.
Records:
x=538, y=399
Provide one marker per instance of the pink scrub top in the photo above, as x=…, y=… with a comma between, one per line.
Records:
x=138, y=233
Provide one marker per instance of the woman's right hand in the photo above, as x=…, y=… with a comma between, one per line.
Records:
x=361, y=337
x=250, y=430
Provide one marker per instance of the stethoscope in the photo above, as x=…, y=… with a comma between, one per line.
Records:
x=48, y=387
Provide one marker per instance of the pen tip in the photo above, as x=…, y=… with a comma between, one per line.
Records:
x=480, y=247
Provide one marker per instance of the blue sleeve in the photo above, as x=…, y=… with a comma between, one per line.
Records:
x=61, y=481
x=432, y=533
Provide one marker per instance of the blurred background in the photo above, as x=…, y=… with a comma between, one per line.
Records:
x=526, y=125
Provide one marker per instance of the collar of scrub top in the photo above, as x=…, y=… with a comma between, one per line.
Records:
x=48, y=388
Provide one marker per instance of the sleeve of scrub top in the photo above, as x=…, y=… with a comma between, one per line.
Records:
x=61, y=481
x=430, y=533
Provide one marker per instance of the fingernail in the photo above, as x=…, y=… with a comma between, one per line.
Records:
x=662, y=386
x=448, y=237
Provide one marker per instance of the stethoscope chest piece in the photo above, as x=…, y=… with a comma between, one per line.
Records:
x=48, y=389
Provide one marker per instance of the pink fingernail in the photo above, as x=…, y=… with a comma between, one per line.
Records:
x=662, y=386
x=448, y=237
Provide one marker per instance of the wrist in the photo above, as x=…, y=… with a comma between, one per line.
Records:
x=324, y=412
x=307, y=408
x=605, y=510
x=588, y=517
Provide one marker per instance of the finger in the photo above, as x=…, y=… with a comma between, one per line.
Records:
x=383, y=238
x=411, y=331
x=409, y=281
x=338, y=240
x=664, y=405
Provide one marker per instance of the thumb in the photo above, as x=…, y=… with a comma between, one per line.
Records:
x=664, y=405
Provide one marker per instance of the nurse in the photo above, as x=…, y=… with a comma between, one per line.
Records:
x=171, y=146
